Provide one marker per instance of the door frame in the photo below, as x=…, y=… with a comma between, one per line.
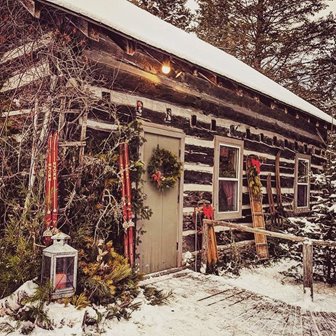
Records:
x=148, y=127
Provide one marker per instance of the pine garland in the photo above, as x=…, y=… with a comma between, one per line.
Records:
x=163, y=169
x=253, y=178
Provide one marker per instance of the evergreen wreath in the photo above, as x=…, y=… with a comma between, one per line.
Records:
x=163, y=169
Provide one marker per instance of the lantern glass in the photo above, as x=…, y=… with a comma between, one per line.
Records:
x=64, y=277
x=46, y=264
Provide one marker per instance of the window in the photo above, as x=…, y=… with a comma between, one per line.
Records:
x=302, y=190
x=227, y=177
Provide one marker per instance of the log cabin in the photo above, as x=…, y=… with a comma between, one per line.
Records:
x=205, y=106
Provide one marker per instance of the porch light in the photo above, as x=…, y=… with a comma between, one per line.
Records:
x=59, y=266
x=166, y=68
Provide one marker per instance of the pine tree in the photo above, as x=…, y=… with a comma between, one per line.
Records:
x=325, y=217
x=323, y=87
x=281, y=39
x=174, y=12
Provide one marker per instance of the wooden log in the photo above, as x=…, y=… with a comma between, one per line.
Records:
x=36, y=72
x=87, y=28
x=207, y=81
x=285, y=236
x=101, y=126
x=165, y=88
x=307, y=251
x=197, y=177
x=153, y=107
x=26, y=49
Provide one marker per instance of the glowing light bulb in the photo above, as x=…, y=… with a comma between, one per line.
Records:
x=165, y=68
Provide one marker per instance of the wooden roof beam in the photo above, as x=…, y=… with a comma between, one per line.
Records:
x=89, y=29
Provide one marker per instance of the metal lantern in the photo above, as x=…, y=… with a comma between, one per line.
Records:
x=59, y=266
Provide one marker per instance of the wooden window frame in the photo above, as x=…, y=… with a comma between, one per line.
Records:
x=234, y=143
x=307, y=158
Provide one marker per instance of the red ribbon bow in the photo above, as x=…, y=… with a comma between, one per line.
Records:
x=256, y=163
x=157, y=177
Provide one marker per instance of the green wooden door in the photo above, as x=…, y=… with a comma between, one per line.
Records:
x=158, y=249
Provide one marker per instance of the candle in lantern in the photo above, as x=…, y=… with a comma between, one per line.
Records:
x=60, y=280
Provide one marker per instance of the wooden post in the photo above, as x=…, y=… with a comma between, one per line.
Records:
x=307, y=250
x=212, y=247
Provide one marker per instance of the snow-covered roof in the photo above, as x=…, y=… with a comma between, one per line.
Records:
x=123, y=16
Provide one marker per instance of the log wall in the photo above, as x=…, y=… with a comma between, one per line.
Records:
x=266, y=127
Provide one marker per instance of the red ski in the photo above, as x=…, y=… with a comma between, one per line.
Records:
x=123, y=198
x=48, y=183
x=129, y=206
x=126, y=203
x=51, y=188
x=54, y=181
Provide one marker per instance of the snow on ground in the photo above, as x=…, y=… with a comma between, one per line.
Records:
x=260, y=302
x=270, y=282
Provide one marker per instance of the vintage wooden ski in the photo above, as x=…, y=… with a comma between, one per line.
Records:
x=272, y=209
x=130, y=224
x=123, y=197
x=258, y=220
x=278, y=182
x=48, y=183
x=51, y=188
x=54, y=180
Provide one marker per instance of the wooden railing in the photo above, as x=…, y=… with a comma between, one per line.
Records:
x=307, y=250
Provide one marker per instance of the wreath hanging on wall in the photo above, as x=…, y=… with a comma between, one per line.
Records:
x=163, y=169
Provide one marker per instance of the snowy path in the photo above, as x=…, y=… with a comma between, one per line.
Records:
x=205, y=305
x=208, y=305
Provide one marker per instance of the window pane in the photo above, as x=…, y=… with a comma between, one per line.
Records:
x=228, y=162
x=64, y=272
x=302, y=197
x=302, y=171
x=227, y=196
